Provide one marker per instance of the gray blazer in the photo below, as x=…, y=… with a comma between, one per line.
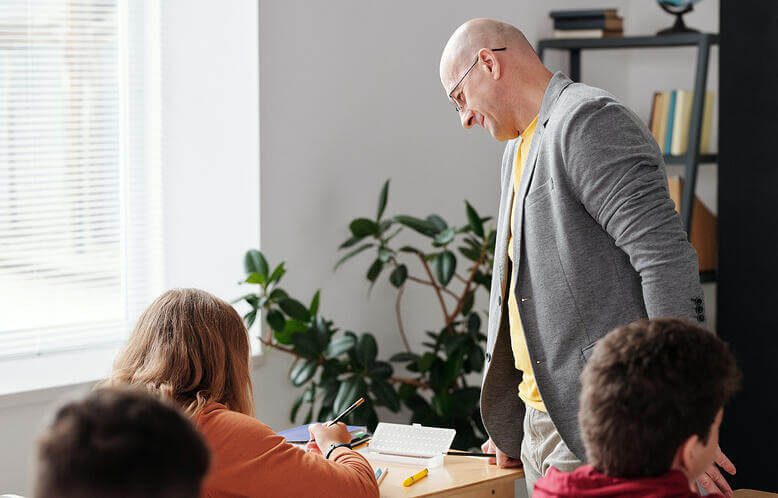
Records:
x=598, y=245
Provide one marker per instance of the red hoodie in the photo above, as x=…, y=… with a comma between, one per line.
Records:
x=587, y=481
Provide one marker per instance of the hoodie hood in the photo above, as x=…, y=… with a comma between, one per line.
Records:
x=586, y=481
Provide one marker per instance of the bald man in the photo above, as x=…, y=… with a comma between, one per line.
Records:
x=587, y=240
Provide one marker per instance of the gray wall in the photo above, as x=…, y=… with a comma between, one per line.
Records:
x=350, y=96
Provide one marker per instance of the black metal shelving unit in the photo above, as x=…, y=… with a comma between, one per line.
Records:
x=693, y=158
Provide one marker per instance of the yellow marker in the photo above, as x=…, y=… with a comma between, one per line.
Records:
x=416, y=477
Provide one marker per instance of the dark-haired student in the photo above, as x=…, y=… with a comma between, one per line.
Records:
x=651, y=406
x=120, y=443
x=192, y=348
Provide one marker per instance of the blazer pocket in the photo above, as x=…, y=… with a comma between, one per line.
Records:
x=540, y=192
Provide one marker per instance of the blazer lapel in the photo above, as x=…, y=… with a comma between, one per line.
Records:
x=503, y=221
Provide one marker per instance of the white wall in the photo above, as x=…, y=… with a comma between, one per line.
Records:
x=350, y=96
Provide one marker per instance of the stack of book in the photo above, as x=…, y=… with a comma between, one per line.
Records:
x=588, y=23
x=671, y=113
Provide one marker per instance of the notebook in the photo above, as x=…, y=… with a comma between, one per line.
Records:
x=300, y=435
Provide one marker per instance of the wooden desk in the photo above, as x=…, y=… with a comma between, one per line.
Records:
x=459, y=477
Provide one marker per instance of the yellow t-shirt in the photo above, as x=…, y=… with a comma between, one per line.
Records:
x=528, y=388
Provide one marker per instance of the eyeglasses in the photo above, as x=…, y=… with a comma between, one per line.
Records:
x=458, y=101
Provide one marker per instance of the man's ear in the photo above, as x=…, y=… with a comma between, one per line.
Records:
x=489, y=61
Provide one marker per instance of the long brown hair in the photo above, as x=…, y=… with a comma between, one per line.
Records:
x=191, y=347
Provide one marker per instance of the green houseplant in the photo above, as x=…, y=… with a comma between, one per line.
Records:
x=333, y=367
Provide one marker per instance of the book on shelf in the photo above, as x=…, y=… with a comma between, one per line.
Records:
x=587, y=23
x=605, y=23
x=586, y=33
x=671, y=118
x=583, y=14
x=703, y=229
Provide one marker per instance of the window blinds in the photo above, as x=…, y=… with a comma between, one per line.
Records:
x=80, y=247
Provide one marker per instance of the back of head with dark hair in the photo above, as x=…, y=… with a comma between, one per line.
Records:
x=647, y=388
x=120, y=443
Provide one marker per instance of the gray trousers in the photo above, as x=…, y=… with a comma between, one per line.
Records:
x=542, y=448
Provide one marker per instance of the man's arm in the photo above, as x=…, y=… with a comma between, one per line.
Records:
x=616, y=170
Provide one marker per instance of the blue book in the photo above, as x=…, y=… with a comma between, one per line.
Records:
x=670, y=119
x=297, y=435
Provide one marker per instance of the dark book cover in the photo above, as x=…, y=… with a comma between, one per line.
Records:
x=582, y=13
x=610, y=23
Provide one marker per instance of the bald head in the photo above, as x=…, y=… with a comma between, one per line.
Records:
x=476, y=34
x=493, y=76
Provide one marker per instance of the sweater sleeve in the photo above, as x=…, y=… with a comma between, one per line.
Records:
x=249, y=459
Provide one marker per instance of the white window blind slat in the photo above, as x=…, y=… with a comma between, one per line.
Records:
x=80, y=218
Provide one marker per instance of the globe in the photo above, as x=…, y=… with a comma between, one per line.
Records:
x=678, y=8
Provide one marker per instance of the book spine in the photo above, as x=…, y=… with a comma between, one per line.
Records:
x=572, y=14
x=670, y=117
x=707, y=124
x=661, y=125
x=611, y=24
x=585, y=33
x=681, y=121
x=652, y=119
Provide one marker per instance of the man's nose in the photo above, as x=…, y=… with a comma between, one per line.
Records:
x=468, y=118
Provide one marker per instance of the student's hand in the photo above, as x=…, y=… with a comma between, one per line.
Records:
x=327, y=436
x=712, y=481
x=502, y=460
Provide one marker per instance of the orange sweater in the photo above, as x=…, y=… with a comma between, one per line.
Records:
x=249, y=459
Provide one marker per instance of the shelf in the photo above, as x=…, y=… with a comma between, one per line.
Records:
x=704, y=159
x=708, y=276
x=679, y=40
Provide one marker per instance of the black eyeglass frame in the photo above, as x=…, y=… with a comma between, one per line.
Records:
x=451, y=93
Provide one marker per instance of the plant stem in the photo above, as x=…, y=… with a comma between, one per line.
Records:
x=468, y=283
x=270, y=344
x=414, y=382
x=398, y=315
x=437, y=289
x=431, y=284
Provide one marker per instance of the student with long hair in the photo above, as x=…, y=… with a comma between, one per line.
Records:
x=192, y=348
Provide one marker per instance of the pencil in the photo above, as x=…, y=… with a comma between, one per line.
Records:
x=471, y=453
x=356, y=404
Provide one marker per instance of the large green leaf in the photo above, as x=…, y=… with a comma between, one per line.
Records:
x=467, y=302
x=314, y=307
x=349, y=391
x=277, y=295
x=382, y=198
x=276, y=320
x=255, y=278
x=445, y=265
x=250, y=317
x=291, y=327
x=444, y=237
x=438, y=222
x=366, y=350
x=473, y=324
x=404, y=356
x=425, y=362
x=385, y=394
x=295, y=408
x=255, y=262
x=424, y=227
x=381, y=369
x=352, y=253
x=302, y=371
x=465, y=400
x=398, y=276
x=278, y=272
x=350, y=242
x=340, y=345
x=476, y=225
x=375, y=270
x=362, y=227
x=294, y=309
x=305, y=344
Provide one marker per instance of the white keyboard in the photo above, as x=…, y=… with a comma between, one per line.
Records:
x=411, y=440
